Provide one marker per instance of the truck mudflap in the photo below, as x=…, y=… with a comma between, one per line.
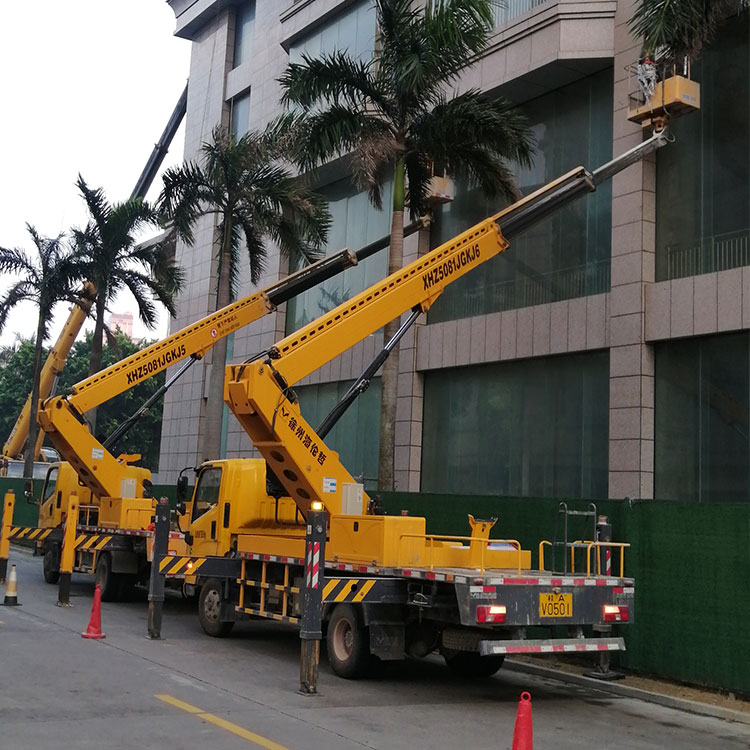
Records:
x=556, y=646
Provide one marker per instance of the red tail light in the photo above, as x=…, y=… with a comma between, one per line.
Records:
x=490, y=613
x=615, y=613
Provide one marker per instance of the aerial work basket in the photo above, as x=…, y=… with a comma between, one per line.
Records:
x=657, y=92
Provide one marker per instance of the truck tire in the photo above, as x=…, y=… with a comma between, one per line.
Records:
x=51, y=564
x=108, y=580
x=471, y=664
x=348, y=643
x=209, y=610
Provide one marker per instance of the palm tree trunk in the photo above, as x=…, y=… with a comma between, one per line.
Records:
x=28, y=466
x=389, y=382
x=97, y=347
x=211, y=446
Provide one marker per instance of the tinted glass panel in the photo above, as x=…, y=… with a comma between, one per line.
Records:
x=531, y=428
x=703, y=181
x=356, y=436
x=702, y=403
x=240, y=115
x=243, y=33
x=566, y=255
x=352, y=31
x=354, y=224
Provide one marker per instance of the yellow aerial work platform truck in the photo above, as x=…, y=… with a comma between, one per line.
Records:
x=390, y=589
x=114, y=501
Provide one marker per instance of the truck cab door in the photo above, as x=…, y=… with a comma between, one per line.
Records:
x=204, y=519
x=51, y=499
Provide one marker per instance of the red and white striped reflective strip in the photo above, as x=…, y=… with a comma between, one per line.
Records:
x=552, y=648
x=313, y=565
x=607, y=562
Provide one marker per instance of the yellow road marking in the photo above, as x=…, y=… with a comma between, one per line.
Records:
x=223, y=723
x=179, y=704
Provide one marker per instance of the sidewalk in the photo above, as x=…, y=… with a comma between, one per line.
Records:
x=644, y=689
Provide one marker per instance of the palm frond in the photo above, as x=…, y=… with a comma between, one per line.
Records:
x=679, y=28
x=334, y=132
x=331, y=79
x=468, y=123
x=96, y=202
x=19, y=291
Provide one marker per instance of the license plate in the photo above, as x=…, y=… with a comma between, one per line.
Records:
x=555, y=605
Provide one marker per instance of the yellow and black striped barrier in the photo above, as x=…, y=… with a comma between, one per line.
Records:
x=96, y=542
x=339, y=590
x=17, y=533
x=186, y=565
x=177, y=565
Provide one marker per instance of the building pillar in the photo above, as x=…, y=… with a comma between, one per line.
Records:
x=408, y=443
x=631, y=368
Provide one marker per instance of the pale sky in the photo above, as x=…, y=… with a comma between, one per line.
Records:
x=86, y=86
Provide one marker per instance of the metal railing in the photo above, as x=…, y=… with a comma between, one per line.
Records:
x=717, y=252
x=482, y=543
x=591, y=547
x=510, y=9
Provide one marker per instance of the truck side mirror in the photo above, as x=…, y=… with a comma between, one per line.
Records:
x=182, y=486
x=188, y=538
x=180, y=508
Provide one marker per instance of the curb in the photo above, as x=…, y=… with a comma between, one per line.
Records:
x=668, y=701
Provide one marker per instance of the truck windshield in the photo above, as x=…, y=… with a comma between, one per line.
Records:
x=207, y=491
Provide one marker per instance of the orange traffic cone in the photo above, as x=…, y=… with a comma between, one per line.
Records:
x=94, y=630
x=11, y=590
x=523, y=738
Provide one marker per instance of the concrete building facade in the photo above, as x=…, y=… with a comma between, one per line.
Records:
x=607, y=355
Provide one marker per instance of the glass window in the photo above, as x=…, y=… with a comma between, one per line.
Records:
x=244, y=25
x=240, y=115
x=356, y=435
x=352, y=31
x=354, y=224
x=702, y=402
x=206, y=494
x=536, y=428
x=49, y=484
x=566, y=255
x=703, y=181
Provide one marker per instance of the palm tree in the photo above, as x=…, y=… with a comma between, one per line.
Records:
x=678, y=29
x=117, y=262
x=252, y=198
x=55, y=275
x=392, y=114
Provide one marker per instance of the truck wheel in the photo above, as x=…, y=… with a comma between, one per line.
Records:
x=471, y=664
x=108, y=580
x=209, y=610
x=51, y=565
x=348, y=643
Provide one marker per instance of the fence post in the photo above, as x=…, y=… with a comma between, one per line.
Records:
x=8, y=504
x=312, y=601
x=67, y=556
x=156, y=581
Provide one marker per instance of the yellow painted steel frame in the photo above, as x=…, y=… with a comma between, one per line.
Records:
x=8, y=505
x=258, y=393
x=67, y=555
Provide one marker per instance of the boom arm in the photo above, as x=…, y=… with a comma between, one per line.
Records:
x=259, y=393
